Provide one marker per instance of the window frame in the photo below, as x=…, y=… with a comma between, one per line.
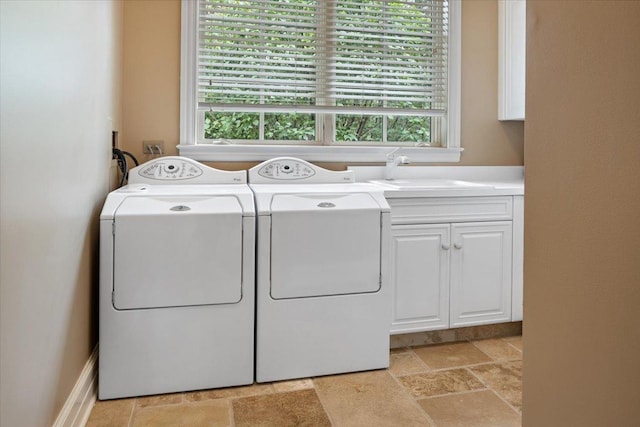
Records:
x=189, y=146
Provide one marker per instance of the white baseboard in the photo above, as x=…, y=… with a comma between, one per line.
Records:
x=79, y=404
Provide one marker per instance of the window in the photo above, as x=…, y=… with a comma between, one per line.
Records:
x=354, y=77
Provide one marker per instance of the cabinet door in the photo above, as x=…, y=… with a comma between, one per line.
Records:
x=480, y=273
x=420, y=277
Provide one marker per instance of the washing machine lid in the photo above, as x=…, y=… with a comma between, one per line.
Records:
x=325, y=244
x=177, y=251
x=320, y=202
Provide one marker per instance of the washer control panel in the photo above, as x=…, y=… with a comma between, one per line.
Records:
x=290, y=170
x=170, y=169
x=285, y=169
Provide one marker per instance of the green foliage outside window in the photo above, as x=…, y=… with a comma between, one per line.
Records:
x=302, y=127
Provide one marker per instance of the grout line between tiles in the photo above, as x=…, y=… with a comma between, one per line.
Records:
x=450, y=368
x=420, y=359
x=324, y=408
x=493, y=358
x=412, y=353
x=415, y=401
x=507, y=402
x=455, y=393
x=513, y=346
x=133, y=410
x=494, y=391
x=232, y=417
x=481, y=351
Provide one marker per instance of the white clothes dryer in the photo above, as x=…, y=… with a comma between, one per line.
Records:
x=323, y=301
x=177, y=287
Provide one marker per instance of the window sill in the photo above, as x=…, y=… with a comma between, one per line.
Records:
x=239, y=153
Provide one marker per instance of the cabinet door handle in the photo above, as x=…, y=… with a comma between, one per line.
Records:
x=457, y=245
x=445, y=247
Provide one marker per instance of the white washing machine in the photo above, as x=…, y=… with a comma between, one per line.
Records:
x=323, y=300
x=177, y=286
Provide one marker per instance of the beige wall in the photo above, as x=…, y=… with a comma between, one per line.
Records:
x=60, y=84
x=485, y=140
x=582, y=229
x=151, y=74
x=152, y=91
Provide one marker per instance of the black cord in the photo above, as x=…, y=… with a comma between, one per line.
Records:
x=121, y=156
x=122, y=164
x=126, y=153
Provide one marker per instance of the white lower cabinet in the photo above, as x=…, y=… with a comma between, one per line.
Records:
x=420, y=270
x=447, y=275
x=480, y=285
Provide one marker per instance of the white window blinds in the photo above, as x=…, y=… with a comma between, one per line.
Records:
x=351, y=56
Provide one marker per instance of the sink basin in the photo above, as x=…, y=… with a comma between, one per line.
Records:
x=430, y=184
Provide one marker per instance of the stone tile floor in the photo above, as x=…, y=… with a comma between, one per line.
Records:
x=471, y=383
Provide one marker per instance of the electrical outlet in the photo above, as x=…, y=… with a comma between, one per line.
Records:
x=153, y=147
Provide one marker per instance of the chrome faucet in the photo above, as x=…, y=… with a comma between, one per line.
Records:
x=392, y=163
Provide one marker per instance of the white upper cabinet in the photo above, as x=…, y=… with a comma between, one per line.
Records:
x=511, y=56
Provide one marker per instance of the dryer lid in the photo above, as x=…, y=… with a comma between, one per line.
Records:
x=323, y=202
x=168, y=205
x=177, y=251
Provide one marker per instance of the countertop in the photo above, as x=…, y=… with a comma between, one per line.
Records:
x=445, y=181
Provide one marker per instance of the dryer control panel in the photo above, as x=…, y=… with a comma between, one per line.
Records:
x=176, y=170
x=170, y=169
x=292, y=170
